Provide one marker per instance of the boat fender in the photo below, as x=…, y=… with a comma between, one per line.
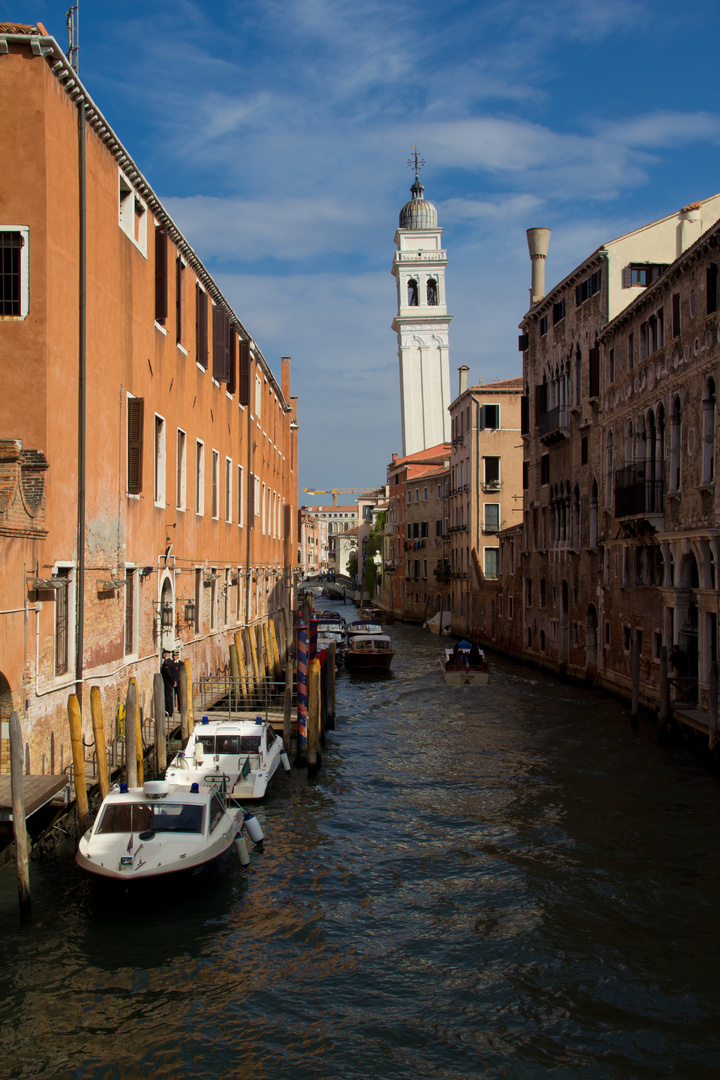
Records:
x=285, y=761
x=242, y=849
x=252, y=825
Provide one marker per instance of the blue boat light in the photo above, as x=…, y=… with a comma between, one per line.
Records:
x=195, y=789
x=205, y=720
x=258, y=719
x=123, y=789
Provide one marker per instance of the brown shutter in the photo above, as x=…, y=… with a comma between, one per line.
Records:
x=161, y=274
x=201, y=327
x=135, y=444
x=244, y=373
x=594, y=360
x=251, y=501
x=540, y=401
x=232, y=361
x=627, y=277
x=219, y=346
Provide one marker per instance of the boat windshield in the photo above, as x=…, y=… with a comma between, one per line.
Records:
x=230, y=744
x=160, y=817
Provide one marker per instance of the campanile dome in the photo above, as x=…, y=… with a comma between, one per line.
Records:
x=418, y=213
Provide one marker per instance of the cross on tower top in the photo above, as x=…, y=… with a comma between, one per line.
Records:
x=414, y=161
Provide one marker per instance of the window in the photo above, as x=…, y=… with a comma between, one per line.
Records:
x=62, y=620
x=215, y=480
x=135, y=412
x=545, y=469
x=223, y=348
x=558, y=312
x=425, y=494
x=611, y=365
x=159, y=486
x=642, y=274
x=584, y=450
x=432, y=292
x=491, y=468
x=438, y=528
x=161, y=274
x=490, y=417
x=181, y=471
x=588, y=288
x=240, y=496
x=510, y=607
x=491, y=517
x=412, y=293
x=711, y=287
x=130, y=607
x=14, y=275
x=676, y=315
x=213, y=597
x=228, y=489
x=491, y=562
x=528, y=592
x=543, y=325
x=631, y=351
x=543, y=593
x=198, y=599
x=132, y=216
x=201, y=327
x=258, y=396
x=708, y=445
x=199, y=477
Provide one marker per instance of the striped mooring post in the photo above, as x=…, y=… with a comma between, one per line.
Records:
x=312, y=639
x=301, y=758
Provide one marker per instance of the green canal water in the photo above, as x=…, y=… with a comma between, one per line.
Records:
x=502, y=881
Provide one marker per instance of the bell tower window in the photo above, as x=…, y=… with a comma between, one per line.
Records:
x=412, y=293
x=432, y=295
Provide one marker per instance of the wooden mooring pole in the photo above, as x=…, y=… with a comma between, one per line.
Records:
x=331, y=685
x=139, y=748
x=100, y=744
x=160, y=733
x=242, y=676
x=287, y=707
x=131, y=734
x=713, y=706
x=190, y=704
x=78, y=756
x=313, y=725
x=18, y=814
x=183, y=695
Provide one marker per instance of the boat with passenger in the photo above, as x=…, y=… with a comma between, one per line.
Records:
x=162, y=833
x=239, y=756
x=465, y=664
x=369, y=652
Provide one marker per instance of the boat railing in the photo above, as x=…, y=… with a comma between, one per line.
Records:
x=236, y=695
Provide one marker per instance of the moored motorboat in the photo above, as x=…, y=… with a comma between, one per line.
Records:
x=369, y=652
x=364, y=627
x=240, y=757
x=160, y=833
x=462, y=666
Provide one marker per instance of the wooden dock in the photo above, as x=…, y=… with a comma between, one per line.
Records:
x=37, y=792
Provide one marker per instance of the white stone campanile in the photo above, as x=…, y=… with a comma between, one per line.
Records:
x=422, y=325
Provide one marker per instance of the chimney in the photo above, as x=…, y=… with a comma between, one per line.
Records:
x=538, y=241
x=690, y=226
x=285, y=378
x=463, y=378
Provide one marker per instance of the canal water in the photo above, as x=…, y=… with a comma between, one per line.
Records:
x=502, y=881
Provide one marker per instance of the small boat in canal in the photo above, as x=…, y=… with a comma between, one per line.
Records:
x=369, y=652
x=379, y=615
x=463, y=666
x=363, y=626
x=160, y=834
x=239, y=757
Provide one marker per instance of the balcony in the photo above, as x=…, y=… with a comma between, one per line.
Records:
x=639, y=490
x=554, y=425
x=490, y=527
x=492, y=485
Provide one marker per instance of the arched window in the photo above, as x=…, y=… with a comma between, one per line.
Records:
x=576, y=519
x=594, y=514
x=709, y=414
x=412, y=293
x=432, y=295
x=629, y=443
x=609, y=470
x=675, y=445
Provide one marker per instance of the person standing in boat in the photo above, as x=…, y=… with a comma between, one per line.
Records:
x=169, y=675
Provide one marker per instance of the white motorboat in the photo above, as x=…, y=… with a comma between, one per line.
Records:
x=240, y=757
x=160, y=833
x=457, y=669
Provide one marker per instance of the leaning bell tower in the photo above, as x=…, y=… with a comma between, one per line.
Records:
x=422, y=323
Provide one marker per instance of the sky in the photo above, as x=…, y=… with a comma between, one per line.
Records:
x=277, y=134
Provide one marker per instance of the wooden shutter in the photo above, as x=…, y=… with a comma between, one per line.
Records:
x=251, y=501
x=201, y=327
x=523, y=341
x=524, y=415
x=136, y=408
x=161, y=274
x=594, y=361
x=244, y=373
x=627, y=277
x=540, y=401
x=232, y=361
x=220, y=344
x=676, y=315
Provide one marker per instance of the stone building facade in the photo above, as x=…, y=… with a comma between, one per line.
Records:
x=148, y=454
x=485, y=491
x=617, y=544
x=426, y=544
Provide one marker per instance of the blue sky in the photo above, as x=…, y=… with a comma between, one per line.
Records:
x=277, y=134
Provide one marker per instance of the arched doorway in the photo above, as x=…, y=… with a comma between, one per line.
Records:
x=6, y=704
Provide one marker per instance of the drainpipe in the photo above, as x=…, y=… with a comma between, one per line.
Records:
x=82, y=358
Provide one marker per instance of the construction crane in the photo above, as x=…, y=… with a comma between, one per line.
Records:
x=337, y=491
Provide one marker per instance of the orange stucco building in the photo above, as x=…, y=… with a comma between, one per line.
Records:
x=148, y=455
